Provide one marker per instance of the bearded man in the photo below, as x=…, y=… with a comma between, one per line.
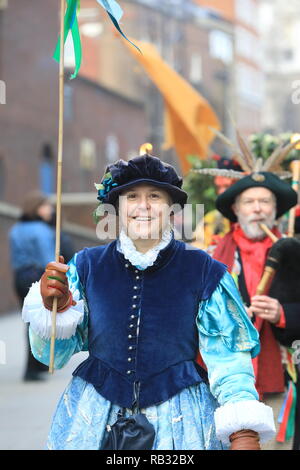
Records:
x=255, y=199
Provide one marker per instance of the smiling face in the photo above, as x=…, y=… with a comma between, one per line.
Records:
x=144, y=212
x=254, y=206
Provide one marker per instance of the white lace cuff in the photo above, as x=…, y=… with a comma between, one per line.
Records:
x=39, y=317
x=250, y=414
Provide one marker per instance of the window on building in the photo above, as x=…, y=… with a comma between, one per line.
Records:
x=196, y=68
x=220, y=46
x=68, y=107
x=246, y=12
x=288, y=54
x=2, y=92
x=88, y=154
x=265, y=17
x=112, y=148
x=47, y=169
x=247, y=44
x=250, y=84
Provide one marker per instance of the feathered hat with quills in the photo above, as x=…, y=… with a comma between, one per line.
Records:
x=256, y=172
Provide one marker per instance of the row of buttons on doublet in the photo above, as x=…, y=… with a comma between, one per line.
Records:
x=134, y=315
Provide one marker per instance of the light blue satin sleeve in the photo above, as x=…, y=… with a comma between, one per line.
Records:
x=64, y=348
x=227, y=341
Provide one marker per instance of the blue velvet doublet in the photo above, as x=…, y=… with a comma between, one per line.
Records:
x=142, y=323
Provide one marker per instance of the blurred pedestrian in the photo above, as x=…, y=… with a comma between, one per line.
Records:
x=32, y=246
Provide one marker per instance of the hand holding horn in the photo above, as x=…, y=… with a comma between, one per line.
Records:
x=285, y=253
x=270, y=267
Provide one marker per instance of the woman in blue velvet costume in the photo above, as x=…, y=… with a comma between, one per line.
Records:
x=143, y=306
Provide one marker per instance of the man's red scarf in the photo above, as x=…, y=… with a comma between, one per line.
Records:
x=268, y=367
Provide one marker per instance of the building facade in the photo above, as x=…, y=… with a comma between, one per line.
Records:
x=194, y=41
x=247, y=100
x=280, y=28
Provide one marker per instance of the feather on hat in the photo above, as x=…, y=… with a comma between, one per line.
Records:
x=248, y=161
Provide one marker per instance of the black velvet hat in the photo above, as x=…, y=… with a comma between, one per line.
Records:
x=122, y=175
x=286, y=197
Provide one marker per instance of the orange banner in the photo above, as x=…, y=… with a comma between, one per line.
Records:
x=188, y=115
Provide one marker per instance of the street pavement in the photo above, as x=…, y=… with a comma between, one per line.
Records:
x=26, y=408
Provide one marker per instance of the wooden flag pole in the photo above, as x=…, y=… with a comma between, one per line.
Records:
x=59, y=174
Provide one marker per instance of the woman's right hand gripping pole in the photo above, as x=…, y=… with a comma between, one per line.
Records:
x=54, y=283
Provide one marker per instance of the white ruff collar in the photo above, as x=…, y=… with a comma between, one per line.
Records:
x=138, y=259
